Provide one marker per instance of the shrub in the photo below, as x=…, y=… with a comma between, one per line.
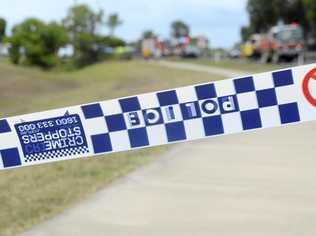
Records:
x=36, y=43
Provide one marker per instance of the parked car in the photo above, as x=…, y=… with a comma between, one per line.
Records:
x=191, y=51
x=234, y=53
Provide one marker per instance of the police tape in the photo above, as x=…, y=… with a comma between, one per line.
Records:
x=229, y=106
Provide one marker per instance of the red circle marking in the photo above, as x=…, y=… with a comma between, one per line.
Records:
x=309, y=76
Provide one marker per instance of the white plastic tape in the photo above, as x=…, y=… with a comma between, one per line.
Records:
x=230, y=106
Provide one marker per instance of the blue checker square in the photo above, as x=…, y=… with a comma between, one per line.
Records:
x=138, y=137
x=251, y=119
x=266, y=97
x=129, y=104
x=282, y=78
x=4, y=126
x=213, y=125
x=289, y=113
x=167, y=98
x=205, y=91
x=115, y=122
x=92, y=111
x=10, y=157
x=190, y=110
x=175, y=131
x=101, y=143
x=243, y=85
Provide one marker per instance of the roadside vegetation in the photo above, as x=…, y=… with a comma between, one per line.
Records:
x=33, y=194
x=36, y=43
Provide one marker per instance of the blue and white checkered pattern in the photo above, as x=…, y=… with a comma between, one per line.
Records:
x=188, y=113
x=56, y=154
x=123, y=124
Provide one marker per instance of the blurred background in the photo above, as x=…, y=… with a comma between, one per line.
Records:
x=79, y=33
x=69, y=52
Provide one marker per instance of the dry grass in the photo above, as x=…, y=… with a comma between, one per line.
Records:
x=33, y=194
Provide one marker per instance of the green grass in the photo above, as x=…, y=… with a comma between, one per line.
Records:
x=33, y=194
x=242, y=65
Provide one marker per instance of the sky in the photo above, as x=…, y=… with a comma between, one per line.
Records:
x=219, y=20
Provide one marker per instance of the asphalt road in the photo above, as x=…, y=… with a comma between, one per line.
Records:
x=201, y=68
x=259, y=183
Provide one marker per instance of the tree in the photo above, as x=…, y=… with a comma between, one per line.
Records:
x=37, y=42
x=148, y=34
x=92, y=48
x=246, y=32
x=310, y=6
x=54, y=37
x=290, y=11
x=86, y=50
x=3, y=25
x=111, y=41
x=82, y=19
x=262, y=15
x=82, y=24
x=265, y=14
x=113, y=22
x=179, y=29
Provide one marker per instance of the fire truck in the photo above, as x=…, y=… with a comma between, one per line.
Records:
x=282, y=42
